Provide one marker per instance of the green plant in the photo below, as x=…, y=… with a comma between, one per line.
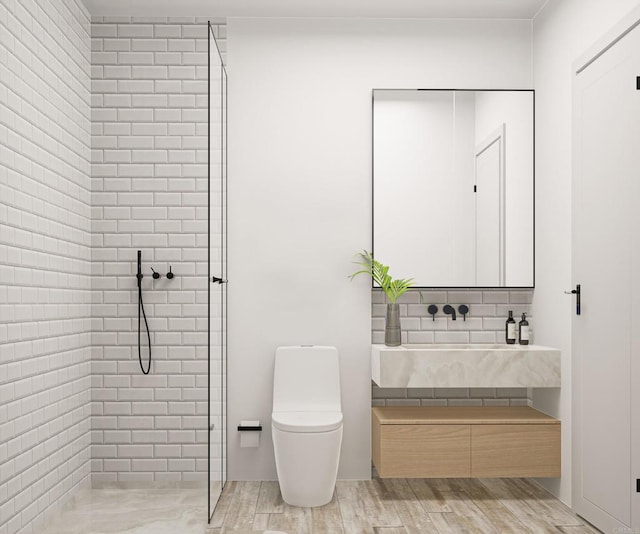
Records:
x=394, y=289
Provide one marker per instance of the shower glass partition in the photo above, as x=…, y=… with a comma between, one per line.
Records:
x=217, y=272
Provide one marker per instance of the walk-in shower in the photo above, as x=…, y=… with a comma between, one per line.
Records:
x=112, y=166
x=139, y=277
x=217, y=272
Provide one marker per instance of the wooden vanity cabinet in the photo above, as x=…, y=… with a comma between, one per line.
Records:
x=462, y=442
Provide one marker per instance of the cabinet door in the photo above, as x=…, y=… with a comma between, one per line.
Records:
x=515, y=450
x=606, y=197
x=424, y=451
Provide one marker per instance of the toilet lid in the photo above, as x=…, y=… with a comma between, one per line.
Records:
x=306, y=421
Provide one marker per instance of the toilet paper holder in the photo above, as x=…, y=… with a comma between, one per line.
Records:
x=249, y=428
x=250, y=436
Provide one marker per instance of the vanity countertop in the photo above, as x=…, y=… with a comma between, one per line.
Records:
x=465, y=365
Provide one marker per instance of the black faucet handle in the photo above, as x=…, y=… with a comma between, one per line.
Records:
x=463, y=309
x=433, y=309
x=155, y=274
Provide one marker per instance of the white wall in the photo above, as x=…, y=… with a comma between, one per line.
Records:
x=45, y=258
x=300, y=190
x=562, y=32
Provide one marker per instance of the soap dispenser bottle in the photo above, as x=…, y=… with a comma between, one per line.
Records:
x=523, y=330
x=511, y=329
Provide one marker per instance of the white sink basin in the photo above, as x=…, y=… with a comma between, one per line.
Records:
x=465, y=365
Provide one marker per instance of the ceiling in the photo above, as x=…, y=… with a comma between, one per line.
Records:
x=474, y=9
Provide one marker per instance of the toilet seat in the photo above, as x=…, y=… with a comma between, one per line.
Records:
x=306, y=421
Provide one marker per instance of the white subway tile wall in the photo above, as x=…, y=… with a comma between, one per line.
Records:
x=45, y=258
x=485, y=323
x=149, y=192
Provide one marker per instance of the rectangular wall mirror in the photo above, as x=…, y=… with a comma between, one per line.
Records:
x=453, y=186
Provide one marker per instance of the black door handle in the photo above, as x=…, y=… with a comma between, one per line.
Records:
x=576, y=292
x=217, y=280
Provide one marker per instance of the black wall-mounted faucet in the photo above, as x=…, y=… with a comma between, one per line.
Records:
x=463, y=309
x=450, y=310
x=433, y=309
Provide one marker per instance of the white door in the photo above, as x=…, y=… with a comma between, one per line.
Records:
x=606, y=254
x=489, y=220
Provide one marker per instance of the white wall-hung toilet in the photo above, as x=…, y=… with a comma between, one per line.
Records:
x=306, y=423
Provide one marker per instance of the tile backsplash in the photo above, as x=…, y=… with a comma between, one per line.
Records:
x=485, y=323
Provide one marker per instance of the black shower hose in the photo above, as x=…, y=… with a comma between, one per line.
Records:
x=141, y=307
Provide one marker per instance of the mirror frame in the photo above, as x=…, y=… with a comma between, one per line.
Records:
x=533, y=185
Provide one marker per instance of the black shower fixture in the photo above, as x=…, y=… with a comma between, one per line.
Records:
x=155, y=274
x=140, y=276
x=169, y=274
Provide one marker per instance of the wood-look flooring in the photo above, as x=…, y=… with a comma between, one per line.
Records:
x=400, y=506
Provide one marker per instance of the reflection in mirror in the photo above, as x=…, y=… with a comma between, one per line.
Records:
x=453, y=186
